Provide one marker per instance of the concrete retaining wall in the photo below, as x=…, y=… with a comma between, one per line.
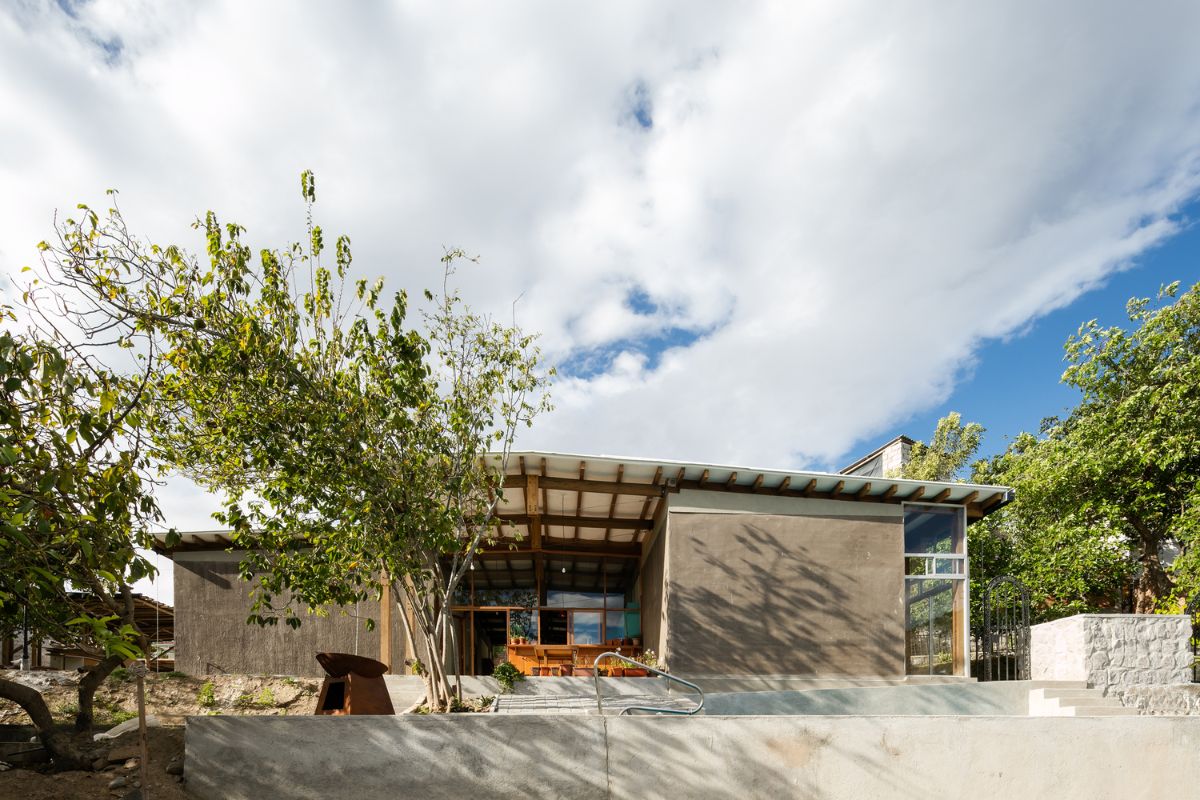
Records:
x=1001, y=698
x=1113, y=649
x=252, y=758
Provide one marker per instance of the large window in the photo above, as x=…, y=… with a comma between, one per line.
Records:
x=935, y=590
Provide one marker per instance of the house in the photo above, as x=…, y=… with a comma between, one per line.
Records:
x=720, y=570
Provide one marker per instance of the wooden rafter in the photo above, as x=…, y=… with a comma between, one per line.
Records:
x=579, y=494
x=616, y=523
x=783, y=484
x=758, y=481
x=810, y=488
x=591, y=486
x=732, y=481
x=942, y=495
x=837, y=490
x=863, y=492
x=612, y=506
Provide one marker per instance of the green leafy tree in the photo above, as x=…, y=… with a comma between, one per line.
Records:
x=1103, y=493
x=74, y=504
x=947, y=453
x=349, y=443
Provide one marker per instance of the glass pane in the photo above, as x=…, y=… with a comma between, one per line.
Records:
x=559, y=599
x=916, y=566
x=931, y=529
x=523, y=622
x=948, y=566
x=614, y=625
x=505, y=597
x=933, y=626
x=585, y=627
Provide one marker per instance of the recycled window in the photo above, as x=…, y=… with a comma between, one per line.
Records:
x=935, y=590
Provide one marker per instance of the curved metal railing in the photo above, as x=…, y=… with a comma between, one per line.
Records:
x=647, y=709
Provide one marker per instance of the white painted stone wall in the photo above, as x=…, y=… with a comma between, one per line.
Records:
x=1113, y=649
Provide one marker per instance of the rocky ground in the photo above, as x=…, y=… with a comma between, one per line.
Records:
x=169, y=697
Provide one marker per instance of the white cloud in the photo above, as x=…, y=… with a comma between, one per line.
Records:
x=834, y=206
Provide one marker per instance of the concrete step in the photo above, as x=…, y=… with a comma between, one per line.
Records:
x=1075, y=702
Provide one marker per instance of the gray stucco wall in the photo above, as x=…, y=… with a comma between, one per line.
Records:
x=654, y=588
x=211, y=634
x=771, y=594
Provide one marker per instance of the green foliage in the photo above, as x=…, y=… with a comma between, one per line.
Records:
x=206, y=697
x=347, y=440
x=947, y=453
x=119, y=675
x=1101, y=492
x=74, y=504
x=507, y=676
x=173, y=675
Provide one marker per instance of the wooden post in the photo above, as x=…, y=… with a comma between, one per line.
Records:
x=141, y=670
x=385, y=620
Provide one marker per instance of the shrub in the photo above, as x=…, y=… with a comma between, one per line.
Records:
x=119, y=675
x=507, y=675
x=207, y=697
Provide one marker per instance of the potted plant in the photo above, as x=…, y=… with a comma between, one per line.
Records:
x=537, y=671
x=584, y=671
x=617, y=671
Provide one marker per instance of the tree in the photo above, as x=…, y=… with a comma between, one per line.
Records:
x=350, y=445
x=951, y=448
x=74, y=503
x=1105, y=491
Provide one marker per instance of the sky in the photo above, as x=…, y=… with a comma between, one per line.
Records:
x=769, y=234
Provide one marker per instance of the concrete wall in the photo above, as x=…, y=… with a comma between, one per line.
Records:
x=1113, y=649
x=654, y=591
x=1173, y=700
x=211, y=634
x=760, y=592
x=486, y=755
x=999, y=698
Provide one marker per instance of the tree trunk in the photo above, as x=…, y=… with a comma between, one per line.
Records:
x=88, y=684
x=1153, y=584
x=66, y=751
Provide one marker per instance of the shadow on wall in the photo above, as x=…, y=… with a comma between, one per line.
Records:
x=786, y=596
x=582, y=757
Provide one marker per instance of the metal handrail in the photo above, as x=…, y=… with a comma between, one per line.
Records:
x=650, y=709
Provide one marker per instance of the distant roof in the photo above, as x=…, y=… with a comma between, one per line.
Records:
x=576, y=501
x=878, y=451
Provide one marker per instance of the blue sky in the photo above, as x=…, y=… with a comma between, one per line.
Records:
x=1015, y=382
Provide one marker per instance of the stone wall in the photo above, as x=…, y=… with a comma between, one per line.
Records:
x=1176, y=700
x=1113, y=649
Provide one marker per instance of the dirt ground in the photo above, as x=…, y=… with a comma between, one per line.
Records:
x=170, y=697
x=164, y=744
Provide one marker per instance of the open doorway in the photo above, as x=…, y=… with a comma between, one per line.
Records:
x=491, y=639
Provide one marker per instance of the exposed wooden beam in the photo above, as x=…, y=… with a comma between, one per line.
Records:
x=592, y=486
x=732, y=481
x=837, y=490
x=891, y=490
x=612, y=506
x=993, y=500
x=498, y=551
x=942, y=495
x=758, y=481
x=966, y=501
x=579, y=494
x=863, y=492
x=783, y=484
x=704, y=479
x=810, y=488
x=650, y=500
x=915, y=494
x=617, y=524
x=533, y=510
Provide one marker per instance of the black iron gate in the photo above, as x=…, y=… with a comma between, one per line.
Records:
x=1193, y=609
x=1005, y=630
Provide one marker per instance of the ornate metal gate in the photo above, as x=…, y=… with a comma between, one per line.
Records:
x=1005, y=630
x=1193, y=609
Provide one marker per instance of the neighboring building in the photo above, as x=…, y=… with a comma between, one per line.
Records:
x=720, y=570
x=883, y=462
x=156, y=620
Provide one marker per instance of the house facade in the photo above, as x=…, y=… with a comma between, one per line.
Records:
x=720, y=570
